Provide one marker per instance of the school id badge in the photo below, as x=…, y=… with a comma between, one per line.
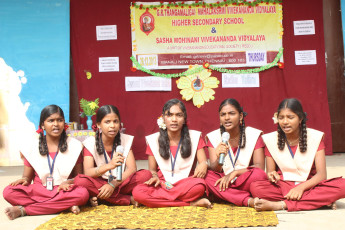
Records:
x=168, y=185
x=50, y=183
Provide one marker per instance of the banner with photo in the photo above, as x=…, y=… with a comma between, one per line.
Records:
x=174, y=36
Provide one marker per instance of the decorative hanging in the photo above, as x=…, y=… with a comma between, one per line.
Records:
x=197, y=3
x=197, y=85
x=88, y=74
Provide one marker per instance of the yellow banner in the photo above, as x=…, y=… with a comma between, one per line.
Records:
x=228, y=36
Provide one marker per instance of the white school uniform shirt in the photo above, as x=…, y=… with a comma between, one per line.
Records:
x=64, y=162
x=183, y=166
x=246, y=153
x=295, y=168
x=90, y=144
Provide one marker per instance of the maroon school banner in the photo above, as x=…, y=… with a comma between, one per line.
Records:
x=140, y=110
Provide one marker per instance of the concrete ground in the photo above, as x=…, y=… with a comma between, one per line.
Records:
x=316, y=219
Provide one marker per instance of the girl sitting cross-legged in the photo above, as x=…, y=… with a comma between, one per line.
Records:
x=173, y=153
x=296, y=166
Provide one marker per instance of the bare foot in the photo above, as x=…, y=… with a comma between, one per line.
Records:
x=332, y=206
x=266, y=205
x=14, y=212
x=75, y=209
x=203, y=202
x=93, y=201
x=134, y=202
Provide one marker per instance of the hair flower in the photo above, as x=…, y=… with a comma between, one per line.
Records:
x=275, y=118
x=161, y=123
x=66, y=127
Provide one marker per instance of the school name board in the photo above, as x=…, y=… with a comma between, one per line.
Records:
x=228, y=36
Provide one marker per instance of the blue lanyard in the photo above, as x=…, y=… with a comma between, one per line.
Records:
x=290, y=150
x=51, y=168
x=236, y=158
x=171, y=157
x=105, y=152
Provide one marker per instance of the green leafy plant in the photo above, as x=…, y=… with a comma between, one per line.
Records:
x=89, y=107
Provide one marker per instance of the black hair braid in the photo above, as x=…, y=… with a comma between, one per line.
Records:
x=63, y=142
x=296, y=107
x=42, y=145
x=186, y=145
x=98, y=142
x=281, y=138
x=303, y=137
x=242, y=139
x=222, y=129
x=164, y=144
x=99, y=146
x=117, y=140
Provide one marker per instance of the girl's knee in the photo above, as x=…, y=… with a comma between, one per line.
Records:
x=258, y=174
x=139, y=192
x=254, y=188
x=7, y=193
x=143, y=175
x=197, y=190
x=81, y=181
x=83, y=194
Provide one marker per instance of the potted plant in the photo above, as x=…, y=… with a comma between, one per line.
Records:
x=89, y=109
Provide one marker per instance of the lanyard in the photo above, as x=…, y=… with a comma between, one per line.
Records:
x=51, y=168
x=236, y=158
x=105, y=152
x=171, y=158
x=290, y=150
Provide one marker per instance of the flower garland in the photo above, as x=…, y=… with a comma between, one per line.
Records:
x=197, y=3
x=208, y=66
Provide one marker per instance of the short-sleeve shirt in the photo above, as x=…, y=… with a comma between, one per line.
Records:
x=173, y=149
x=293, y=149
x=87, y=153
x=52, y=155
x=259, y=144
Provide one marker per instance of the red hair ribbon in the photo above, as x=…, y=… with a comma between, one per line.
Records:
x=66, y=127
x=94, y=127
x=39, y=130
